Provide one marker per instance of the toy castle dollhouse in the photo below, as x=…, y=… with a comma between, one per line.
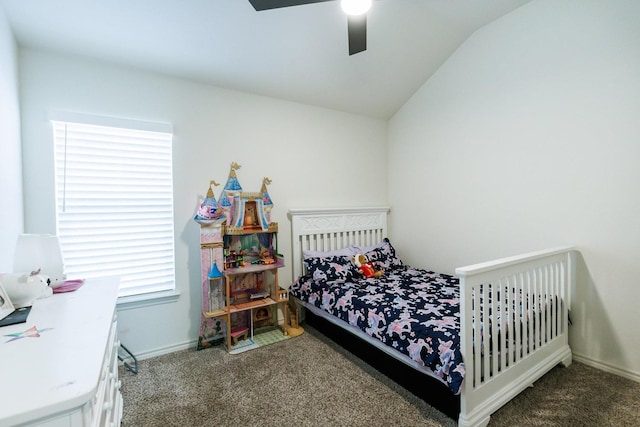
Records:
x=239, y=259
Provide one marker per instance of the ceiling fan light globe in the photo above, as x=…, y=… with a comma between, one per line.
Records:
x=355, y=7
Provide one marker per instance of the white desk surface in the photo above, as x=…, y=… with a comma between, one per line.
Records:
x=59, y=370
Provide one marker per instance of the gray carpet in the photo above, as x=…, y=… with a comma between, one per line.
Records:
x=309, y=381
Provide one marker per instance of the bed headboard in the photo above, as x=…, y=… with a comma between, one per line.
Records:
x=334, y=228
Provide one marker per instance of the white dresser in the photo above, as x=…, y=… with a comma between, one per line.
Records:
x=68, y=375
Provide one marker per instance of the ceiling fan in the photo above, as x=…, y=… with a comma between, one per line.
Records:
x=356, y=11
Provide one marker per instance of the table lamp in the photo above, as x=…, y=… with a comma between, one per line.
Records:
x=40, y=252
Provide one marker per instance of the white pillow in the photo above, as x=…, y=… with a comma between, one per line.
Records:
x=349, y=251
x=365, y=249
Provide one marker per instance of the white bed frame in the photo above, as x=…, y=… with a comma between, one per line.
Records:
x=539, y=279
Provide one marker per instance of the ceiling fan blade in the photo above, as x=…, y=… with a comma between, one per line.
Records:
x=357, y=28
x=276, y=4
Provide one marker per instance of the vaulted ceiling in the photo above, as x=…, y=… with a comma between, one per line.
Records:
x=297, y=53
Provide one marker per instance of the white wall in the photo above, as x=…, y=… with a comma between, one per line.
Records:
x=307, y=152
x=11, y=223
x=529, y=137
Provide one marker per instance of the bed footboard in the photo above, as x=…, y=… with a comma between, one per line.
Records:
x=514, y=327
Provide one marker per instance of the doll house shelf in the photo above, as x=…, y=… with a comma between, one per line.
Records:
x=241, y=298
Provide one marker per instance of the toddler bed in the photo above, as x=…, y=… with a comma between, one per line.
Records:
x=487, y=333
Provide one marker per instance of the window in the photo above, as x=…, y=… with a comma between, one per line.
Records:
x=114, y=198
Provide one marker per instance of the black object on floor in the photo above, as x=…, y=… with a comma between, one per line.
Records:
x=123, y=355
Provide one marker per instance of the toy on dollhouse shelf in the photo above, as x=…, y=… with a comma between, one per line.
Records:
x=292, y=328
x=209, y=210
x=216, y=295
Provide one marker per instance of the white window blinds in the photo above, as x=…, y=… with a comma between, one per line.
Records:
x=114, y=198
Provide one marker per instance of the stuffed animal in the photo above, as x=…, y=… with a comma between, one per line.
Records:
x=366, y=267
x=24, y=288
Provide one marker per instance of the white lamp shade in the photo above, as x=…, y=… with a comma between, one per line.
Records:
x=39, y=252
x=355, y=7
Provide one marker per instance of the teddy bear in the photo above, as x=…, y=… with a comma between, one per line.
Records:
x=366, y=267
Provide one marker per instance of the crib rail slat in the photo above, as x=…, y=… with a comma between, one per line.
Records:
x=477, y=349
x=504, y=322
x=517, y=312
x=494, y=333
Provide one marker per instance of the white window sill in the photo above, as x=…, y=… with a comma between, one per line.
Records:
x=144, y=300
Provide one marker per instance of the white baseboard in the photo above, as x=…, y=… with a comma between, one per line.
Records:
x=166, y=350
x=634, y=376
